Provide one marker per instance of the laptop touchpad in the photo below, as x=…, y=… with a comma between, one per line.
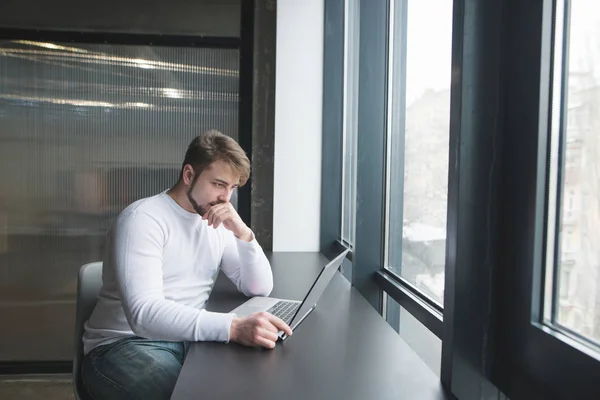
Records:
x=261, y=302
x=248, y=310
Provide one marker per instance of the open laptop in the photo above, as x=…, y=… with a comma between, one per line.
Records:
x=293, y=312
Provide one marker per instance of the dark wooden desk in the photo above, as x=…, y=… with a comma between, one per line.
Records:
x=343, y=350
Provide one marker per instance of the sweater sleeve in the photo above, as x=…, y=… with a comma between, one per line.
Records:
x=247, y=266
x=138, y=243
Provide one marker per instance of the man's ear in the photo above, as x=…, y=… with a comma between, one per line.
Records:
x=188, y=174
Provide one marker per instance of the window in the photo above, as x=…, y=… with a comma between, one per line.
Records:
x=573, y=299
x=493, y=202
x=349, y=119
x=86, y=129
x=418, y=142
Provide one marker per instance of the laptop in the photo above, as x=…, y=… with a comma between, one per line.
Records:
x=293, y=312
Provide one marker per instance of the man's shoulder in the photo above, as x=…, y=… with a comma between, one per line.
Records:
x=153, y=207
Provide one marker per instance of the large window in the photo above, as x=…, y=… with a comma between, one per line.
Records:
x=420, y=45
x=573, y=255
x=86, y=129
x=478, y=188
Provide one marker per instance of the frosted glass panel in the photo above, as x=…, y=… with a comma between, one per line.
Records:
x=84, y=131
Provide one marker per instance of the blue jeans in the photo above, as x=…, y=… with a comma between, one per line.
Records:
x=133, y=368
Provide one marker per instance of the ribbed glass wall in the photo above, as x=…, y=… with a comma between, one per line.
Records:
x=84, y=131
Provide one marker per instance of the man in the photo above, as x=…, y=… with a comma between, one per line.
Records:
x=163, y=256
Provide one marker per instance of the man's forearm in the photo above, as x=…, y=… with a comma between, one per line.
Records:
x=168, y=320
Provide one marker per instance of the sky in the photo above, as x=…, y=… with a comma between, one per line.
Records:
x=430, y=43
x=429, y=46
x=584, y=50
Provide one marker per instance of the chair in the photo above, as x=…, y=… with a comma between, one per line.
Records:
x=89, y=284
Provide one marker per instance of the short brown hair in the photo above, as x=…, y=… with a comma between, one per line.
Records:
x=213, y=146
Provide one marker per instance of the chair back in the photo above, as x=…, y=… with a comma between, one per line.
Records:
x=89, y=284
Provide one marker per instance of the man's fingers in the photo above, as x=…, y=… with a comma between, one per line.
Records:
x=282, y=326
x=221, y=217
x=207, y=214
x=264, y=342
x=210, y=215
x=212, y=209
x=221, y=213
x=269, y=326
x=217, y=221
x=267, y=334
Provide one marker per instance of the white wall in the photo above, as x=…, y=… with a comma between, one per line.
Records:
x=298, y=117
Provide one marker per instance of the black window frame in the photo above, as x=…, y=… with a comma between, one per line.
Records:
x=500, y=93
x=533, y=359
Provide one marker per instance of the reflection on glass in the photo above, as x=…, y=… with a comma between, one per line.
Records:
x=416, y=335
x=84, y=131
x=577, y=302
x=350, y=121
x=419, y=142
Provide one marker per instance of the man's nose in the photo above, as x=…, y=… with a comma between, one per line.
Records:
x=226, y=195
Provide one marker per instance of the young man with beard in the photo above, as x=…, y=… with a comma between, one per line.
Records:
x=163, y=255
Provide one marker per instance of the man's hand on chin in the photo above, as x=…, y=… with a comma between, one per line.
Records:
x=225, y=213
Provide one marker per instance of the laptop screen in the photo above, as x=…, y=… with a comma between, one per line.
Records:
x=318, y=287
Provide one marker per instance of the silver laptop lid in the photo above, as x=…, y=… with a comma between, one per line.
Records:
x=318, y=287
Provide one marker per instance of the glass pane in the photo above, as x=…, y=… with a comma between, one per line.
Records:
x=84, y=131
x=350, y=121
x=420, y=53
x=415, y=334
x=577, y=301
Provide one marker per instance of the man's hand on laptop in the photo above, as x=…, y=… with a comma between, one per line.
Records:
x=259, y=329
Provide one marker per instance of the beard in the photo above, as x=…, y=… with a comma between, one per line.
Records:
x=200, y=210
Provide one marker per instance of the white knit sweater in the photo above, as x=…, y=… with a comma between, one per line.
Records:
x=159, y=269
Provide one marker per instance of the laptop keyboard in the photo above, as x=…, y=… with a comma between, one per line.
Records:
x=284, y=310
